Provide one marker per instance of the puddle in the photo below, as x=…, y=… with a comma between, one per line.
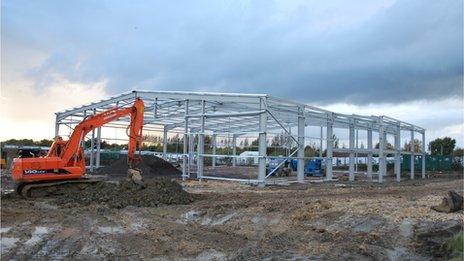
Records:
x=260, y=220
x=45, y=205
x=4, y=229
x=211, y=254
x=257, y=220
x=402, y=253
x=137, y=225
x=37, y=235
x=218, y=221
x=275, y=220
x=192, y=215
x=97, y=250
x=406, y=228
x=195, y=216
x=396, y=254
x=89, y=249
x=111, y=230
x=47, y=248
x=367, y=225
x=7, y=243
x=223, y=220
x=206, y=221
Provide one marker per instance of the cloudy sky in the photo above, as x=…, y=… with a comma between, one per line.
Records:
x=398, y=58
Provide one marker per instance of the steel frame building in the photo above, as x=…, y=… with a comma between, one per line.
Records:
x=196, y=114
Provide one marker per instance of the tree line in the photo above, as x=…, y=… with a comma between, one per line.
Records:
x=441, y=146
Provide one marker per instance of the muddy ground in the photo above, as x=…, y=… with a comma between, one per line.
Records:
x=339, y=220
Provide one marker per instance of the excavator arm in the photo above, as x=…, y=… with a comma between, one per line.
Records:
x=65, y=159
x=98, y=120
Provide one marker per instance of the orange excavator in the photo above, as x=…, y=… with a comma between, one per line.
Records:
x=65, y=162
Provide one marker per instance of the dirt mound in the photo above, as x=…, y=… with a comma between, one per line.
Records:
x=150, y=165
x=126, y=193
x=433, y=238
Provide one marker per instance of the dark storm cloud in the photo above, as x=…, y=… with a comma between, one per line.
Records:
x=311, y=51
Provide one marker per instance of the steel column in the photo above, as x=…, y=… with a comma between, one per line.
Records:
x=289, y=141
x=234, y=150
x=83, y=138
x=214, y=140
x=356, y=154
x=382, y=159
x=165, y=142
x=351, y=162
x=191, y=152
x=262, y=143
x=201, y=144
x=329, y=154
x=97, y=156
x=57, y=126
x=320, y=142
x=398, y=154
x=412, y=154
x=301, y=140
x=424, y=155
x=92, y=151
x=369, y=154
x=155, y=109
x=185, y=157
x=92, y=147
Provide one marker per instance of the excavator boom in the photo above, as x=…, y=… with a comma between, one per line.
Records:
x=65, y=159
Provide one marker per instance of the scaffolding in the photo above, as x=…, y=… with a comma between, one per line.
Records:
x=196, y=115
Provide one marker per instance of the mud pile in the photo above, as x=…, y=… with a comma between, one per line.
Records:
x=126, y=193
x=434, y=239
x=150, y=165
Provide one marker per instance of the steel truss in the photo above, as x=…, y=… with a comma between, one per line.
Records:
x=196, y=114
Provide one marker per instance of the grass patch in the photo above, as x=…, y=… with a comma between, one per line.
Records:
x=456, y=247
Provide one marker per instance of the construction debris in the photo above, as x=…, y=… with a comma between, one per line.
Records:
x=136, y=177
x=451, y=203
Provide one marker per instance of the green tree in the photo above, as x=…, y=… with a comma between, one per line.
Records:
x=335, y=140
x=442, y=146
x=458, y=152
x=276, y=140
x=22, y=142
x=255, y=143
x=388, y=146
x=246, y=143
x=28, y=142
x=45, y=143
x=209, y=141
x=417, y=146
x=310, y=151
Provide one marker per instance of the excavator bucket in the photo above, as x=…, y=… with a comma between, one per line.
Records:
x=135, y=176
x=451, y=203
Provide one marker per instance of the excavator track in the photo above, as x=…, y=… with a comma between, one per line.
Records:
x=43, y=189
